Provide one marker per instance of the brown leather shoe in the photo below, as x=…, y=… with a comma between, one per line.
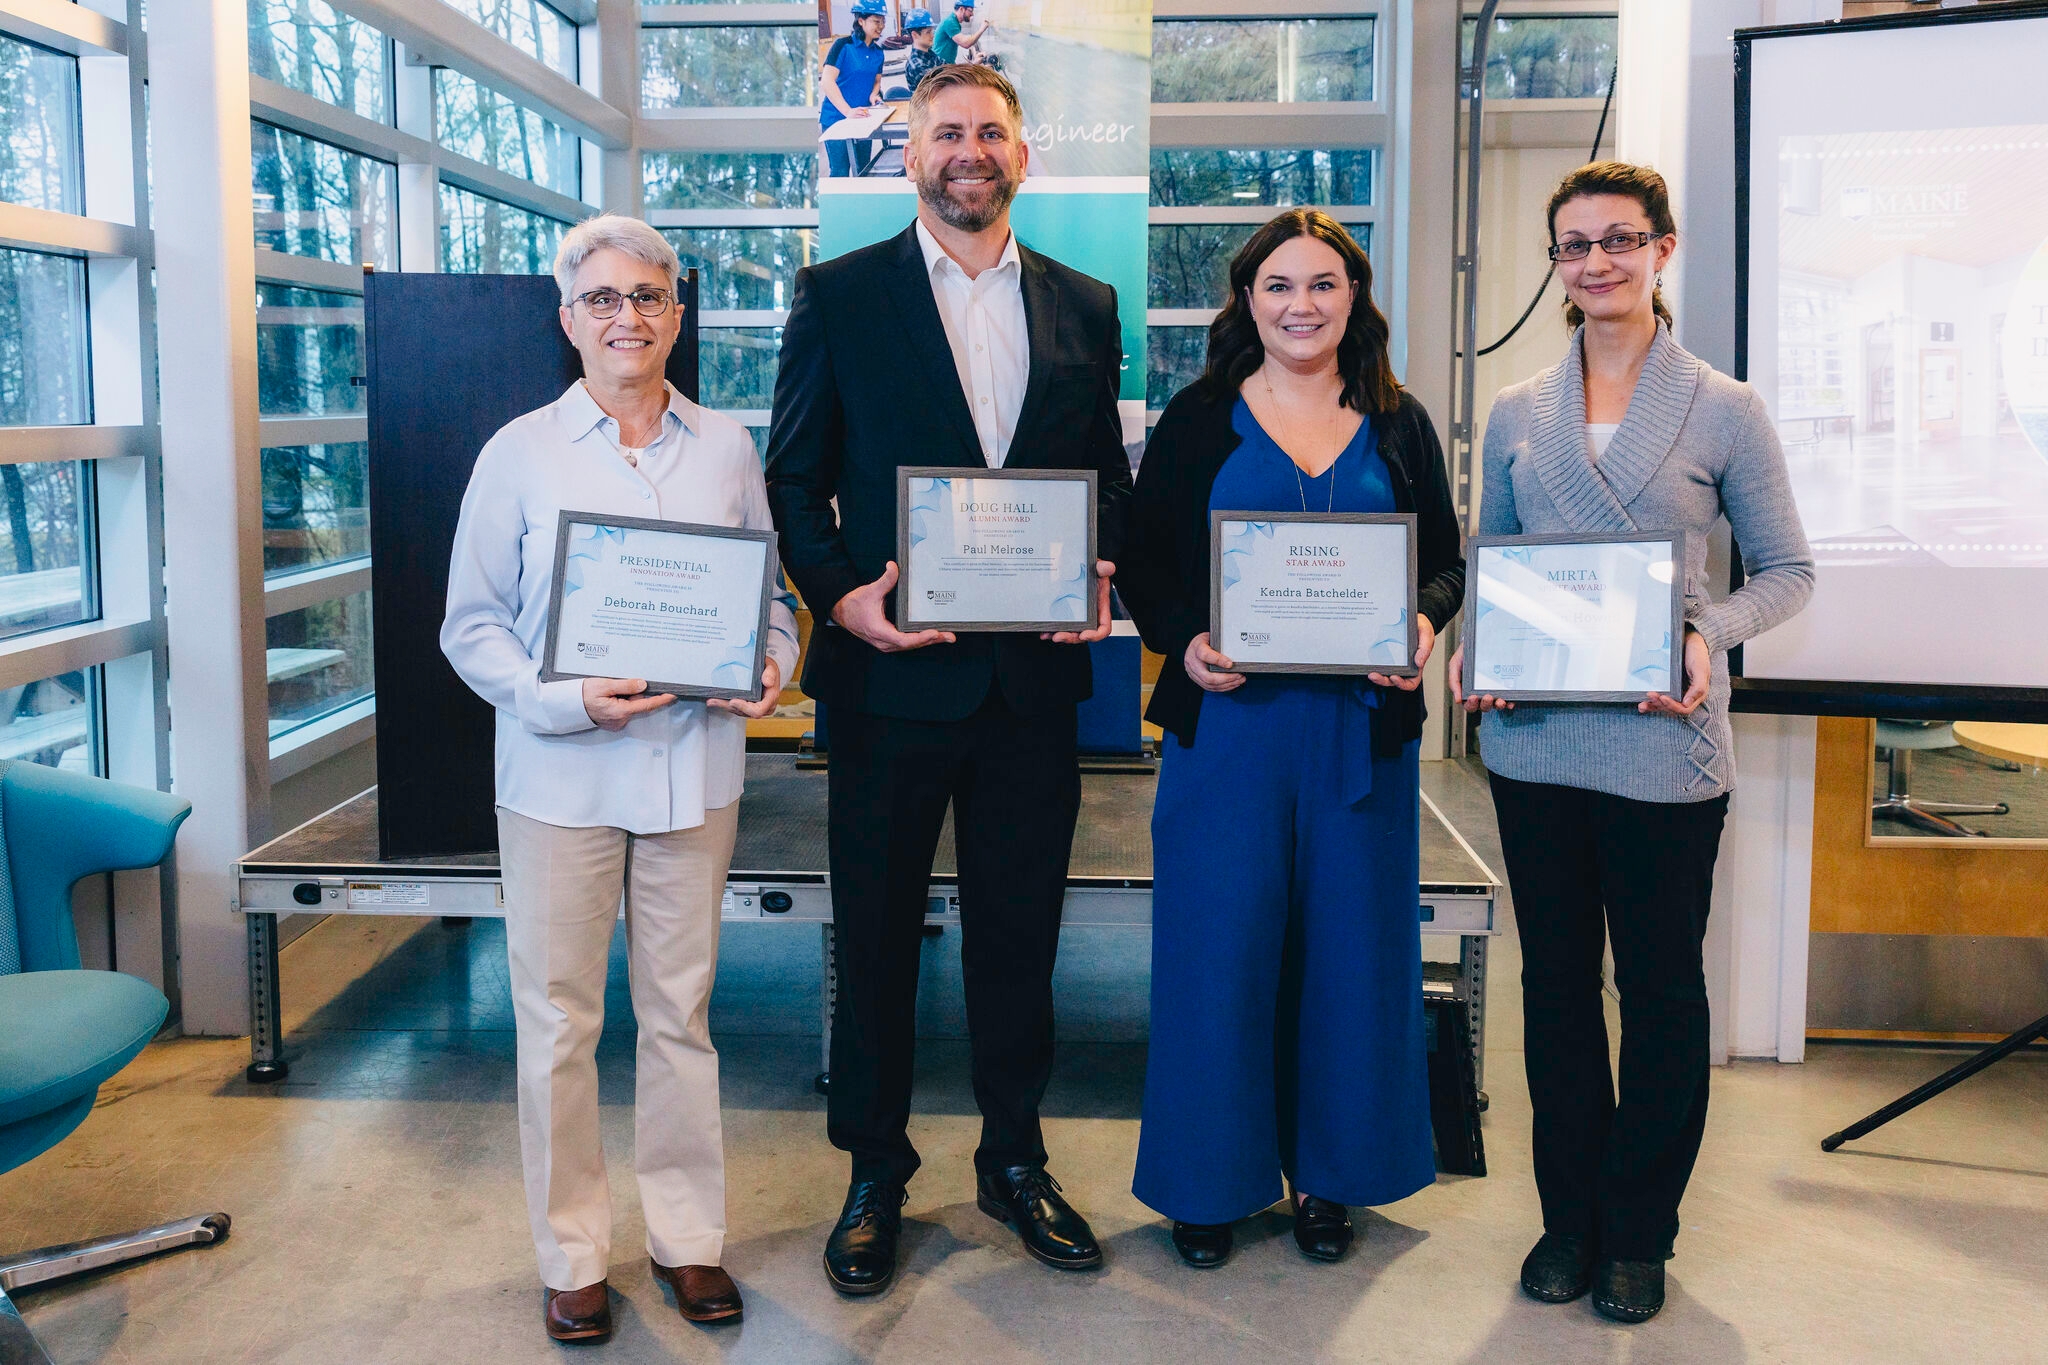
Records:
x=704, y=1293
x=579, y=1314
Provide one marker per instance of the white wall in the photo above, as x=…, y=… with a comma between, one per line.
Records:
x=1675, y=106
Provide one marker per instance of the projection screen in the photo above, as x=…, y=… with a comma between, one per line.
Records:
x=1892, y=282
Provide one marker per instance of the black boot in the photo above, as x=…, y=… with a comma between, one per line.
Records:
x=1629, y=1291
x=1028, y=1200
x=1558, y=1268
x=860, y=1255
x=1202, y=1245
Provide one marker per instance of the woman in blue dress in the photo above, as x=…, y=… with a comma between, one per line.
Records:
x=1286, y=940
x=852, y=68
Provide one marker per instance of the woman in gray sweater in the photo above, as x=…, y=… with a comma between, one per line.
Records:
x=1611, y=816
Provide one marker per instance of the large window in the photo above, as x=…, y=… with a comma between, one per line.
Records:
x=534, y=28
x=319, y=51
x=43, y=353
x=1189, y=263
x=729, y=180
x=1174, y=359
x=1263, y=176
x=319, y=660
x=485, y=126
x=1546, y=57
x=314, y=199
x=483, y=236
x=45, y=546
x=737, y=366
x=727, y=67
x=309, y=349
x=745, y=268
x=1261, y=60
x=54, y=722
x=39, y=161
x=316, y=505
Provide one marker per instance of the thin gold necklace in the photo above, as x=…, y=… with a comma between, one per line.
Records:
x=1300, y=486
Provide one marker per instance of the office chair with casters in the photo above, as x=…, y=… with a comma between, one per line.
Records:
x=66, y=1031
x=1900, y=739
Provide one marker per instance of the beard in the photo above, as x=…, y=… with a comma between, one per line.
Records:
x=932, y=186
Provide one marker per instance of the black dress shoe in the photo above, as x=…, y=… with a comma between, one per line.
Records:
x=1028, y=1200
x=860, y=1255
x=1202, y=1245
x=1629, y=1291
x=1558, y=1268
x=1321, y=1229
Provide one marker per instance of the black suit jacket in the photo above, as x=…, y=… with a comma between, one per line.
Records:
x=1166, y=582
x=867, y=384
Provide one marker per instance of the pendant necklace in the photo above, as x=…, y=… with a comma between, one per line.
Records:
x=1300, y=486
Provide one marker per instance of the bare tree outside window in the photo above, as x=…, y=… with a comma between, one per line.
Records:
x=485, y=126
x=319, y=51
x=748, y=66
x=483, y=236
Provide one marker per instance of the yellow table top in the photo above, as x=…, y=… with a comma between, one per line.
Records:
x=2026, y=744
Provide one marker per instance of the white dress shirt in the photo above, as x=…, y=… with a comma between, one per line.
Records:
x=666, y=767
x=991, y=343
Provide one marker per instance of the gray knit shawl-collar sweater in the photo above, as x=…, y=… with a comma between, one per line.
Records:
x=1695, y=445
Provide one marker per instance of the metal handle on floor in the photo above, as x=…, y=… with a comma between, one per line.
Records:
x=75, y=1258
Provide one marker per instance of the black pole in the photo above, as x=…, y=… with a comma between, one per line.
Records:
x=2037, y=1029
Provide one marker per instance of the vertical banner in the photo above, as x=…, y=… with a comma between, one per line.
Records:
x=1083, y=72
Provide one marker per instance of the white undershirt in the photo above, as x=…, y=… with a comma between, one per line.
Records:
x=1600, y=433
x=986, y=328
x=633, y=454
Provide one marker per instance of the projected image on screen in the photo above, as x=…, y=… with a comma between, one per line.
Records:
x=1896, y=326
x=1912, y=346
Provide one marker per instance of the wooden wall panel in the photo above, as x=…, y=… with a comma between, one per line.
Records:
x=1942, y=887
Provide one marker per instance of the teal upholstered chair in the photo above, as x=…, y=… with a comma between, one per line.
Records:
x=64, y=1031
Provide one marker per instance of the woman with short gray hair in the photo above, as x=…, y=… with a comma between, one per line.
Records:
x=606, y=794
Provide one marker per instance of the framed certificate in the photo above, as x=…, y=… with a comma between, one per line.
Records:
x=995, y=549
x=1575, y=618
x=683, y=606
x=1313, y=592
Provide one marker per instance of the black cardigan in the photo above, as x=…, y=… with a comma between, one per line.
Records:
x=1163, y=577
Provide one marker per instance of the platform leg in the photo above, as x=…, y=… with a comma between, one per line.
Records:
x=1472, y=966
x=829, y=999
x=266, y=1026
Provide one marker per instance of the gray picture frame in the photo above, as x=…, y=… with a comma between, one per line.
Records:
x=551, y=672
x=1407, y=520
x=906, y=614
x=1675, y=539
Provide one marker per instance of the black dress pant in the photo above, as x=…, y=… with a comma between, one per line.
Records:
x=1015, y=789
x=1584, y=866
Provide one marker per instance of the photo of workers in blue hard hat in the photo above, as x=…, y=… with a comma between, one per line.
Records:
x=1066, y=58
x=924, y=57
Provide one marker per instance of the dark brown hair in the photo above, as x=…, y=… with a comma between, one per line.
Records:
x=1235, y=350
x=954, y=74
x=1639, y=183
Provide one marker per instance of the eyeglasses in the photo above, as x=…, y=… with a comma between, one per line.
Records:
x=605, y=303
x=1614, y=244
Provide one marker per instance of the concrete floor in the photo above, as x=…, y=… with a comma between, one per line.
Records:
x=378, y=1215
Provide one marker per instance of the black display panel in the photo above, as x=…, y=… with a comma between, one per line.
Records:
x=450, y=359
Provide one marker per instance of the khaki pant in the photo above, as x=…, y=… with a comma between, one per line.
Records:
x=562, y=895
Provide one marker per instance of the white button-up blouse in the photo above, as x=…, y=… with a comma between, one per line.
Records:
x=667, y=767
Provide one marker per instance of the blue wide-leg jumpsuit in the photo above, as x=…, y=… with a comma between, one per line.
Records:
x=1286, y=939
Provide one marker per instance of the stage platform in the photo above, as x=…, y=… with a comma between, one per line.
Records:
x=330, y=865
